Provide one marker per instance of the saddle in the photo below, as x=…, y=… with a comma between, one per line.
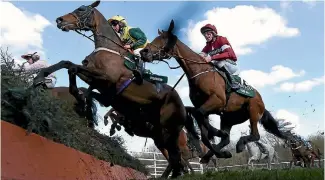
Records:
x=245, y=89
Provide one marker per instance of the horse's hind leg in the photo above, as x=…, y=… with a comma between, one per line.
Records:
x=255, y=116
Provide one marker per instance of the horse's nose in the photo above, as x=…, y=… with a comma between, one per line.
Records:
x=59, y=20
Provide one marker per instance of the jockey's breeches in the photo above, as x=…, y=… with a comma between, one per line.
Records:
x=229, y=65
x=137, y=52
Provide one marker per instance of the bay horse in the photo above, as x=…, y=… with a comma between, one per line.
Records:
x=302, y=154
x=187, y=153
x=210, y=94
x=190, y=153
x=107, y=69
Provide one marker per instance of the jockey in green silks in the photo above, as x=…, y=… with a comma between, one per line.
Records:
x=134, y=40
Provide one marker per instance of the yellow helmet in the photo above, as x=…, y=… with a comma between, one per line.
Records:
x=117, y=18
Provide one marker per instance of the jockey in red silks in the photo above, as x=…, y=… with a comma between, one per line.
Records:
x=219, y=52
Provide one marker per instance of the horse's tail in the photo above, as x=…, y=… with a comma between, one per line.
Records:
x=271, y=125
x=93, y=107
x=189, y=123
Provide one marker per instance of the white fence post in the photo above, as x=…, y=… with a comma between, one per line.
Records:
x=155, y=164
x=201, y=168
x=158, y=168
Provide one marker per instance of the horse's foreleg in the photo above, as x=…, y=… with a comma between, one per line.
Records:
x=249, y=161
x=188, y=165
x=294, y=160
x=73, y=89
x=174, y=153
x=225, y=140
x=269, y=163
x=40, y=78
x=206, y=142
x=213, y=103
x=204, y=125
x=83, y=98
x=168, y=169
x=214, y=161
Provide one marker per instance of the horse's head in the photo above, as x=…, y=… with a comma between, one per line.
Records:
x=83, y=18
x=294, y=143
x=162, y=47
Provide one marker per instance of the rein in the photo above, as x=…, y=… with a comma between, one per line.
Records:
x=297, y=147
x=83, y=25
x=177, y=56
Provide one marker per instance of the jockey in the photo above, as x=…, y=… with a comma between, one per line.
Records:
x=34, y=64
x=306, y=143
x=219, y=52
x=134, y=40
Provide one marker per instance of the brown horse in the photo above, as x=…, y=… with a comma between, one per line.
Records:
x=106, y=70
x=187, y=153
x=301, y=153
x=190, y=153
x=210, y=94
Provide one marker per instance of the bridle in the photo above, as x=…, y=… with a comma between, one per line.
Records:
x=83, y=18
x=161, y=53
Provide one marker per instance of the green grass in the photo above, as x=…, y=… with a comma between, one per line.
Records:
x=284, y=174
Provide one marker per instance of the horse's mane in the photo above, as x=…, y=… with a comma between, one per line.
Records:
x=186, y=47
x=106, y=25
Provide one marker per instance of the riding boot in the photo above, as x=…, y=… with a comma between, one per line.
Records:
x=138, y=71
x=233, y=84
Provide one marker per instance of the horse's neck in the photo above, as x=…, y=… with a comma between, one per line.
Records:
x=105, y=36
x=185, y=61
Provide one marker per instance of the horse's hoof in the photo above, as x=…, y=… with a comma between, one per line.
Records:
x=226, y=154
x=176, y=174
x=105, y=121
x=118, y=127
x=240, y=148
x=112, y=132
x=204, y=160
x=38, y=80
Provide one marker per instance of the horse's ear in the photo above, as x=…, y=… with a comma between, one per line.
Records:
x=95, y=4
x=159, y=32
x=171, y=26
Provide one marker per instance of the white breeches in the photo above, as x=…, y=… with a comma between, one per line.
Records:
x=50, y=82
x=229, y=65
